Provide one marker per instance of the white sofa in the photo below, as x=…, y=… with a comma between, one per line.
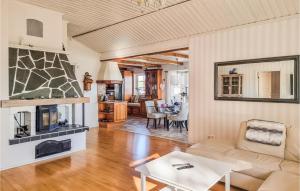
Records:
x=270, y=168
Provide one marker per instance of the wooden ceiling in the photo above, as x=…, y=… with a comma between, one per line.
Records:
x=154, y=60
x=115, y=25
x=88, y=15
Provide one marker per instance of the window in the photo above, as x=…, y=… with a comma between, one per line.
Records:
x=140, y=85
x=178, y=85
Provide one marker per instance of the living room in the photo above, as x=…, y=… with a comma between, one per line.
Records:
x=243, y=94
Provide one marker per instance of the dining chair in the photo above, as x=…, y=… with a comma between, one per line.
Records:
x=181, y=118
x=160, y=105
x=153, y=114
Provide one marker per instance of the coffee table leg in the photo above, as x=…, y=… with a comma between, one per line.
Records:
x=143, y=182
x=227, y=182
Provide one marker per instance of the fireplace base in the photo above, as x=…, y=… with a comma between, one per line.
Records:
x=51, y=147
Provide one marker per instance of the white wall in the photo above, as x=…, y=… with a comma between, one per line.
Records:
x=52, y=25
x=86, y=60
x=176, y=83
x=1, y=80
x=3, y=70
x=4, y=50
x=169, y=69
x=222, y=118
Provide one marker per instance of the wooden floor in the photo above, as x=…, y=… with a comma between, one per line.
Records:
x=107, y=165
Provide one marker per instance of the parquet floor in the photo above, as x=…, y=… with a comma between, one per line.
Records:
x=107, y=165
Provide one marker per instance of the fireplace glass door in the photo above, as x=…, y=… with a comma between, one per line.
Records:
x=47, y=118
x=53, y=117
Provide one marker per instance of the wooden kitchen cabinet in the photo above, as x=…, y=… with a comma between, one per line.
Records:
x=120, y=113
x=112, y=113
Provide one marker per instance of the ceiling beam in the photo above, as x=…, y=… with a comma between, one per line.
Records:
x=129, y=66
x=147, y=54
x=136, y=63
x=159, y=60
x=175, y=54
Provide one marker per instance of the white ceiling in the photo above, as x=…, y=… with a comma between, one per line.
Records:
x=86, y=15
x=185, y=19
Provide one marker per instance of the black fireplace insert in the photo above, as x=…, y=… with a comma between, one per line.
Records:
x=46, y=118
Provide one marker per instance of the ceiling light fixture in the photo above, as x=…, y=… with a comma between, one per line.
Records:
x=151, y=3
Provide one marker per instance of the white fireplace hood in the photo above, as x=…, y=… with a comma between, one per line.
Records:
x=109, y=73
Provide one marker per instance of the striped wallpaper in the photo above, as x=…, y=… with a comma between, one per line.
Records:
x=222, y=118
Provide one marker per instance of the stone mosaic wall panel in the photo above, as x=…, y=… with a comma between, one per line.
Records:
x=38, y=74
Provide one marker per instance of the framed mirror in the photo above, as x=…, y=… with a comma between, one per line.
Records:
x=273, y=79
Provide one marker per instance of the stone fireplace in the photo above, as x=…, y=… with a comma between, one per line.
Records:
x=41, y=85
x=35, y=74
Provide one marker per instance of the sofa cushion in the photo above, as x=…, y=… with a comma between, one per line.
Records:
x=244, y=181
x=265, y=132
x=292, y=150
x=216, y=149
x=211, y=149
x=290, y=166
x=281, y=181
x=245, y=144
x=261, y=165
x=215, y=145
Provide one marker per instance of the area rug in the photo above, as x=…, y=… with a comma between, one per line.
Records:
x=138, y=125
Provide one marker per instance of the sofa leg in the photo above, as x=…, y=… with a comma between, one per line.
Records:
x=147, y=122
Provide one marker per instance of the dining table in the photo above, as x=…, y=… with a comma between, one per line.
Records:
x=168, y=110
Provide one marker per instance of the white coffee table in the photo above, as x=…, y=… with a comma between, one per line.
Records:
x=206, y=172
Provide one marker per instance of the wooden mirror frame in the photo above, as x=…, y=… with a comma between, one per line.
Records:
x=259, y=60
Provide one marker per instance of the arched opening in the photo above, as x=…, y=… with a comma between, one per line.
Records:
x=34, y=28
